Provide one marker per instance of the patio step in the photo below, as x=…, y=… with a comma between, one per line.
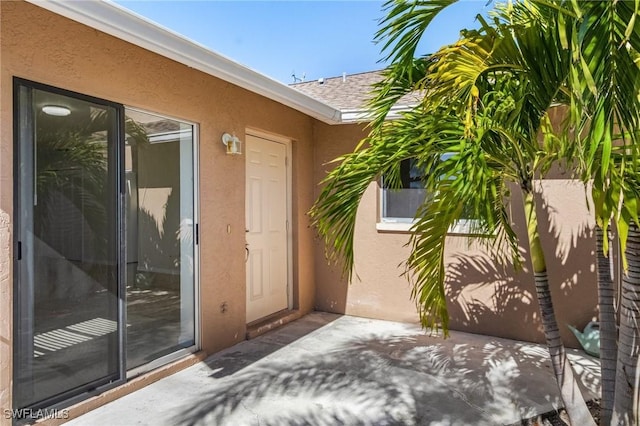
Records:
x=273, y=321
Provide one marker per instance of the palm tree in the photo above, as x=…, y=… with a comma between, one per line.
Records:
x=485, y=101
x=605, y=110
x=608, y=332
x=629, y=336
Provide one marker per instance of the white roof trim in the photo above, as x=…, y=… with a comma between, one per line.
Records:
x=363, y=115
x=122, y=23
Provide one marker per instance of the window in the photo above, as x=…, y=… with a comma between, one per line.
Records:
x=399, y=206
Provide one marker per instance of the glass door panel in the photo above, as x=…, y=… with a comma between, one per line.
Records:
x=160, y=237
x=67, y=287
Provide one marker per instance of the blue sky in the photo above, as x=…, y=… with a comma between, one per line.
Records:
x=277, y=38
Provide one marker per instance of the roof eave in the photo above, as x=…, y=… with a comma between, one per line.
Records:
x=359, y=115
x=119, y=22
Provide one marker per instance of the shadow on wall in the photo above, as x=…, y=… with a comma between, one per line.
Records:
x=570, y=241
x=389, y=379
x=481, y=294
x=332, y=296
x=490, y=299
x=483, y=297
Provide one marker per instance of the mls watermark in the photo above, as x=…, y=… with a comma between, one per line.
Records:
x=35, y=414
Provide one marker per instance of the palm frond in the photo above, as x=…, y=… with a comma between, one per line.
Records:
x=605, y=79
x=334, y=212
x=400, y=32
x=403, y=27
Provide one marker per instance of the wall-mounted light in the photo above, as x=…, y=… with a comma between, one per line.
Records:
x=233, y=144
x=57, y=110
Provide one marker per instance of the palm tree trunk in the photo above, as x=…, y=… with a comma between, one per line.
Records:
x=572, y=398
x=608, y=331
x=629, y=334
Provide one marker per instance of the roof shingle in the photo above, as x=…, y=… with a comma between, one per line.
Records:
x=350, y=92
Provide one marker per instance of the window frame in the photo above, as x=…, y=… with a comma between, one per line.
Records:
x=404, y=224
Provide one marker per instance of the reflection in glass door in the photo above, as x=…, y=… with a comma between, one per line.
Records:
x=160, y=237
x=67, y=310
x=105, y=237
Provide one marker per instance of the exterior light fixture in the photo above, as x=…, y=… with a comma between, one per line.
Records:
x=56, y=110
x=233, y=144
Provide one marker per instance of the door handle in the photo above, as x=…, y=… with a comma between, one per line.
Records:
x=246, y=247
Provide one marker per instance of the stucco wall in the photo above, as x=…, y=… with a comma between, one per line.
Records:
x=47, y=48
x=482, y=297
x=44, y=47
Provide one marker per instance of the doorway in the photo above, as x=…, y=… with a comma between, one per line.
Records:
x=267, y=226
x=105, y=241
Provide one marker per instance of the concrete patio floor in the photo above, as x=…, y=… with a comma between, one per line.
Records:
x=326, y=369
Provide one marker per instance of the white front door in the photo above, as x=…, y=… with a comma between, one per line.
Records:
x=266, y=223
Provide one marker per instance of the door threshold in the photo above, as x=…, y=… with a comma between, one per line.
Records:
x=271, y=322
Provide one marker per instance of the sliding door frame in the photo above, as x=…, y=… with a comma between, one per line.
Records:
x=180, y=353
x=69, y=397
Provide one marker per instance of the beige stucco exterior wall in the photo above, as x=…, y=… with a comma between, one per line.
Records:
x=482, y=297
x=44, y=47
x=47, y=48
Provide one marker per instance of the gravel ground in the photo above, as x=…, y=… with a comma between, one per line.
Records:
x=559, y=418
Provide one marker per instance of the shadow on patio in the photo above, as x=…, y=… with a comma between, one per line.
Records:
x=360, y=371
x=325, y=369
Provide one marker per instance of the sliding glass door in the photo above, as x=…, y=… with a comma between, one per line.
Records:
x=67, y=311
x=105, y=270
x=160, y=237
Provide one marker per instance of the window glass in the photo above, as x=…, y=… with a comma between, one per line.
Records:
x=401, y=205
x=67, y=286
x=73, y=237
x=160, y=236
